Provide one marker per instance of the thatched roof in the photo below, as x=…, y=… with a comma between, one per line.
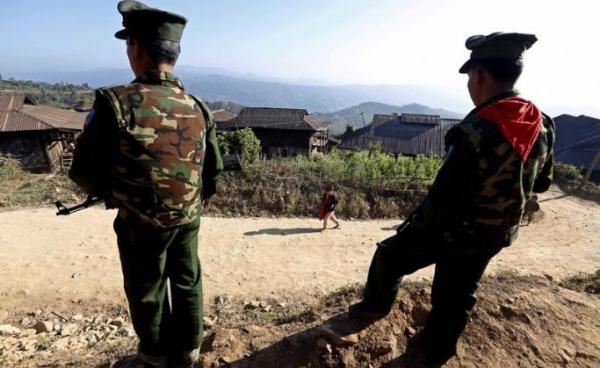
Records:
x=276, y=118
x=406, y=134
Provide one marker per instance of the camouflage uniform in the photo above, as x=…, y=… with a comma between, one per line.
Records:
x=471, y=212
x=150, y=149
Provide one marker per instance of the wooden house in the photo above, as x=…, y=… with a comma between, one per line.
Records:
x=405, y=134
x=282, y=132
x=35, y=135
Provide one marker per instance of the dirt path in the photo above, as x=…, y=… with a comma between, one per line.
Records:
x=45, y=258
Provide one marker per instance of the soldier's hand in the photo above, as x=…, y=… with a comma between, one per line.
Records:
x=205, y=203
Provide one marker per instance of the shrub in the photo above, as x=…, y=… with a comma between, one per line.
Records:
x=569, y=178
x=590, y=283
x=242, y=142
x=10, y=169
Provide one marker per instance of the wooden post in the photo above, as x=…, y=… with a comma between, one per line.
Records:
x=590, y=169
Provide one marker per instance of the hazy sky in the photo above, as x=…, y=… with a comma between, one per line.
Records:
x=325, y=41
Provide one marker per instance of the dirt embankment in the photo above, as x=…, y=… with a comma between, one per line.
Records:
x=519, y=322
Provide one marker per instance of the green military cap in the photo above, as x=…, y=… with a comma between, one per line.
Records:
x=497, y=45
x=144, y=22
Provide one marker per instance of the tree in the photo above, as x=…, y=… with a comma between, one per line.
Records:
x=349, y=129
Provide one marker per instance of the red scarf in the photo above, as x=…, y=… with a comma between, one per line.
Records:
x=519, y=120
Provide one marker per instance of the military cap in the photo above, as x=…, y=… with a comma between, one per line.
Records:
x=142, y=21
x=497, y=45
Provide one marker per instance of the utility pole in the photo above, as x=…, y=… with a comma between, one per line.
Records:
x=362, y=115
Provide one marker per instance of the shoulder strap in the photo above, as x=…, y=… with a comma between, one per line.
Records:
x=120, y=111
x=208, y=116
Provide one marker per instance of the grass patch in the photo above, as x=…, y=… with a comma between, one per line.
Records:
x=589, y=283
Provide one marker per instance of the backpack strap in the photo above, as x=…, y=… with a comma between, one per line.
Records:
x=208, y=115
x=121, y=112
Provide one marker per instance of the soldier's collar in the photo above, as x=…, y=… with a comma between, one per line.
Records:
x=498, y=97
x=159, y=77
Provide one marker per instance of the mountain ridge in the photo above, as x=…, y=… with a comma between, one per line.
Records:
x=246, y=89
x=352, y=115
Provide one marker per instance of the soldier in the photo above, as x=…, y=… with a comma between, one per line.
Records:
x=496, y=158
x=150, y=150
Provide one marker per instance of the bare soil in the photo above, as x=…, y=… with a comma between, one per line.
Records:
x=70, y=265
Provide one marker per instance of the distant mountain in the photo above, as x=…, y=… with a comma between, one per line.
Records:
x=352, y=115
x=221, y=85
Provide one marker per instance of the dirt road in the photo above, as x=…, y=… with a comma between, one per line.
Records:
x=44, y=257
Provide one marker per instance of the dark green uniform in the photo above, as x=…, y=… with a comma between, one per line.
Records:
x=151, y=151
x=471, y=212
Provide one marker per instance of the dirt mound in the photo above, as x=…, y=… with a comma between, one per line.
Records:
x=518, y=322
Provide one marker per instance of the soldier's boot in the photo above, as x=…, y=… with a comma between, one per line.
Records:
x=366, y=312
x=184, y=359
x=136, y=361
x=417, y=355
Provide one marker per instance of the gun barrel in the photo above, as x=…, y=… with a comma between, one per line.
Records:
x=65, y=211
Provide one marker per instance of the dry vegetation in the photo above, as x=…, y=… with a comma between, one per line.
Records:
x=368, y=184
x=590, y=283
x=24, y=189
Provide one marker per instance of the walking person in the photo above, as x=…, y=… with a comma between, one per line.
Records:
x=327, y=209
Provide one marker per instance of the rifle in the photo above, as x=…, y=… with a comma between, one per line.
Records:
x=89, y=202
x=230, y=163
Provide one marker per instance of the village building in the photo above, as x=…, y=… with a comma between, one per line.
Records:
x=35, y=135
x=577, y=141
x=282, y=132
x=405, y=134
x=223, y=116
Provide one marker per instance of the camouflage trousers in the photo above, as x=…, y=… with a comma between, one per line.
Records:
x=457, y=274
x=150, y=259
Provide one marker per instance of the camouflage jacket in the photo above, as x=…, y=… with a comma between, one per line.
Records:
x=478, y=196
x=150, y=149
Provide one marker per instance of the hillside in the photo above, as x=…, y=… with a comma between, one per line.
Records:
x=352, y=115
x=221, y=85
x=63, y=95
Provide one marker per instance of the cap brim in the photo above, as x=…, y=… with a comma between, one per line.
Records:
x=122, y=34
x=465, y=68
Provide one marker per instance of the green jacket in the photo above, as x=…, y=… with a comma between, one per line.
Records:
x=150, y=150
x=478, y=196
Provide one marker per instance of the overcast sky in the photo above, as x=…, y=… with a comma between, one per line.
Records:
x=326, y=41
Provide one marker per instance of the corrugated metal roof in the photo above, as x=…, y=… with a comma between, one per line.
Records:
x=276, y=118
x=17, y=114
x=413, y=135
x=577, y=139
x=58, y=118
x=222, y=116
x=11, y=101
x=16, y=121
